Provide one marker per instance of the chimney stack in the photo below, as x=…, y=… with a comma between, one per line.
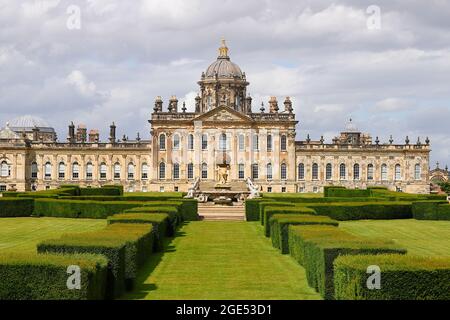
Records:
x=112, y=133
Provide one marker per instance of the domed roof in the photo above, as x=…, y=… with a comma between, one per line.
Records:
x=223, y=67
x=28, y=121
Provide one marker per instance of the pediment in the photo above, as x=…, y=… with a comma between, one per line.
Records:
x=224, y=114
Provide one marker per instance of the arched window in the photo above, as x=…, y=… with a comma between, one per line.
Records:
x=283, y=143
x=356, y=172
x=75, y=171
x=370, y=172
x=162, y=171
x=89, y=171
x=117, y=171
x=204, y=142
x=301, y=171
x=176, y=142
x=191, y=142
x=241, y=142
x=241, y=171
x=269, y=171
x=190, y=171
x=204, y=171
x=398, y=172
x=162, y=142
x=103, y=170
x=48, y=171
x=176, y=171
x=4, y=171
x=342, y=172
x=255, y=171
x=417, y=172
x=329, y=171
x=61, y=171
x=269, y=143
x=223, y=142
x=283, y=171
x=144, y=171
x=255, y=142
x=315, y=171
x=34, y=170
x=384, y=172
x=130, y=171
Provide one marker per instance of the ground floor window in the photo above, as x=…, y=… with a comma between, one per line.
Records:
x=255, y=172
x=2, y=188
x=204, y=171
x=283, y=189
x=269, y=189
x=190, y=171
x=241, y=171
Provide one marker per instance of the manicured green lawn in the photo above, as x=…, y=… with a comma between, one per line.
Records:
x=222, y=260
x=22, y=234
x=425, y=238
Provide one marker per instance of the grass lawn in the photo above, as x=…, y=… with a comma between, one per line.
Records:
x=221, y=260
x=424, y=238
x=22, y=234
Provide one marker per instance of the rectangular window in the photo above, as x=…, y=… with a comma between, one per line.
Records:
x=255, y=142
x=2, y=188
x=283, y=189
x=144, y=172
x=241, y=142
x=269, y=143
x=255, y=172
x=190, y=171
x=161, y=189
x=175, y=189
x=269, y=189
x=370, y=172
x=241, y=171
x=204, y=142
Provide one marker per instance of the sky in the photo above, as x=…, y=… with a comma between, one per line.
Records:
x=383, y=63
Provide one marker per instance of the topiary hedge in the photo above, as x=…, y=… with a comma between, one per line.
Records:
x=100, y=192
x=270, y=211
x=170, y=211
x=319, y=246
x=279, y=224
x=403, y=277
x=44, y=276
x=16, y=207
x=81, y=209
x=272, y=204
x=363, y=210
x=252, y=209
x=160, y=222
x=431, y=210
x=346, y=193
x=91, y=242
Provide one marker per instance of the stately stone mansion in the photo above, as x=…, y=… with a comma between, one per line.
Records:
x=225, y=138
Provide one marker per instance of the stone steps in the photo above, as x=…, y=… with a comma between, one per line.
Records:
x=221, y=213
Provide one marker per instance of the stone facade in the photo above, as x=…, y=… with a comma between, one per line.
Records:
x=223, y=133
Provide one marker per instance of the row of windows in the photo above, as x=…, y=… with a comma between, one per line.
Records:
x=204, y=171
x=89, y=171
x=223, y=142
x=356, y=172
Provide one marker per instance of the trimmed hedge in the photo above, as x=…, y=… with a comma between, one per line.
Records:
x=155, y=196
x=362, y=210
x=16, y=207
x=431, y=210
x=81, y=209
x=170, y=211
x=100, y=192
x=252, y=209
x=403, y=277
x=319, y=246
x=272, y=204
x=160, y=222
x=44, y=276
x=91, y=242
x=270, y=211
x=346, y=193
x=279, y=224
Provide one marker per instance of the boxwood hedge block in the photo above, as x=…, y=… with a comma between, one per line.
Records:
x=346, y=193
x=363, y=210
x=279, y=224
x=272, y=204
x=16, y=207
x=159, y=221
x=431, y=210
x=170, y=211
x=319, y=246
x=80, y=208
x=403, y=277
x=252, y=209
x=44, y=276
x=92, y=243
x=269, y=211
